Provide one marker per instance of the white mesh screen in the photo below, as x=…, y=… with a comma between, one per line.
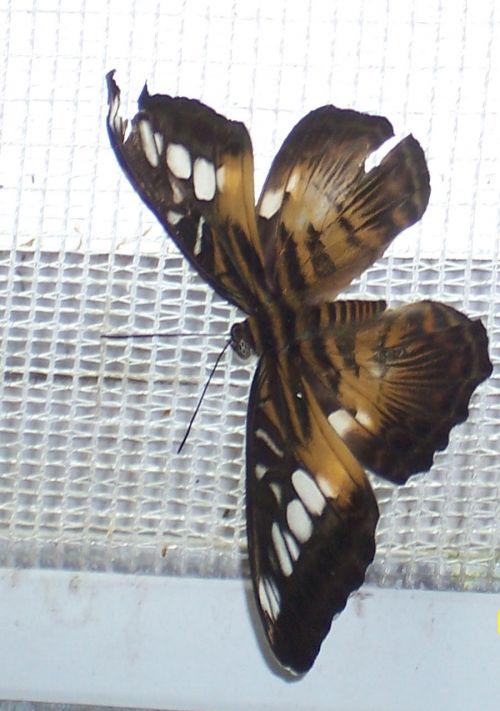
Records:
x=89, y=428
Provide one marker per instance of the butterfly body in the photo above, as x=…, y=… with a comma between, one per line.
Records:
x=278, y=327
x=339, y=385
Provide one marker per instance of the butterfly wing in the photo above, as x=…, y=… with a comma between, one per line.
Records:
x=322, y=217
x=194, y=169
x=394, y=386
x=311, y=515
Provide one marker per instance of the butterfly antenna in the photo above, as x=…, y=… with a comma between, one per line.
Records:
x=117, y=336
x=193, y=416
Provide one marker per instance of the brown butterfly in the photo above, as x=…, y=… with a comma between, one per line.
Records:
x=340, y=385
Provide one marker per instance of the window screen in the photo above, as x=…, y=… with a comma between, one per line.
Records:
x=89, y=427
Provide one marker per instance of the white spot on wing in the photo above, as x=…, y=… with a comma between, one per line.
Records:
x=127, y=130
x=221, y=177
x=267, y=439
x=327, y=487
x=376, y=370
x=276, y=489
x=341, y=421
x=308, y=492
x=299, y=521
x=177, y=193
x=148, y=142
x=281, y=550
x=269, y=598
x=174, y=217
x=364, y=420
x=178, y=160
x=118, y=124
x=159, y=142
x=264, y=599
x=293, y=181
x=271, y=203
x=292, y=545
x=113, y=111
x=204, y=179
x=199, y=236
x=260, y=471
x=376, y=157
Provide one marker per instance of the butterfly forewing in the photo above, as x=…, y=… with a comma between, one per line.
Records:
x=194, y=169
x=323, y=218
x=311, y=517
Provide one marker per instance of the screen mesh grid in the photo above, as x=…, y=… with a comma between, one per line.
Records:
x=89, y=427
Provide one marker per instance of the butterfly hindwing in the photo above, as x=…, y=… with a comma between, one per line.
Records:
x=194, y=169
x=311, y=518
x=403, y=380
x=323, y=218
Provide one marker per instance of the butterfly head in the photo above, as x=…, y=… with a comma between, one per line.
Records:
x=241, y=340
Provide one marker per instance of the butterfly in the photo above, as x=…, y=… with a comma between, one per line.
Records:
x=340, y=386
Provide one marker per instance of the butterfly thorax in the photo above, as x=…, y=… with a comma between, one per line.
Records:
x=269, y=330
